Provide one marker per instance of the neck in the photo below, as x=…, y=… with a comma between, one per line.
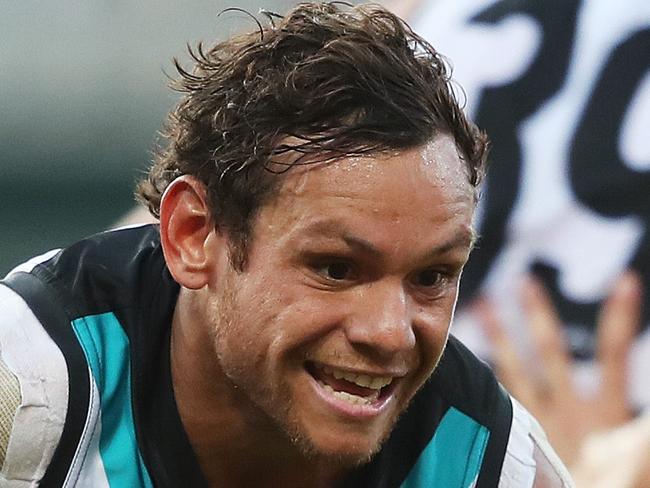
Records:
x=221, y=423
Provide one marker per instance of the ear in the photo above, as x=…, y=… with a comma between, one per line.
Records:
x=186, y=229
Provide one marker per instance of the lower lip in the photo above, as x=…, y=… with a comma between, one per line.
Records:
x=347, y=409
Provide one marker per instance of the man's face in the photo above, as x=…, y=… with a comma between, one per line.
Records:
x=345, y=304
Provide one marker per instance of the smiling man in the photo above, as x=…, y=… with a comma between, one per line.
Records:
x=287, y=323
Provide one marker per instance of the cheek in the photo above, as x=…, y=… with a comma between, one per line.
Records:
x=233, y=320
x=260, y=322
x=302, y=320
x=432, y=328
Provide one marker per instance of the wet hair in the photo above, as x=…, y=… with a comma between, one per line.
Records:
x=323, y=82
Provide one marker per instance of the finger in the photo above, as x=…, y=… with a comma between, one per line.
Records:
x=618, y=323
x=508, y=365
x=548, y=338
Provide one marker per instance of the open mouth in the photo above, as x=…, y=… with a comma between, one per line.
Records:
x=354, y=388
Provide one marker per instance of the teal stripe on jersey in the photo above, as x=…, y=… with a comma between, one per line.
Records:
x=453, y=457
x=106, y=347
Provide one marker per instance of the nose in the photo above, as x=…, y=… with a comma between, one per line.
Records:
x=382, y=321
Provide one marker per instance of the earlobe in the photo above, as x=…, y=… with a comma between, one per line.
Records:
x=185, y=229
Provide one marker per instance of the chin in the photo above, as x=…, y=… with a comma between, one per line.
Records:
x=342, y=457
x=343, y=449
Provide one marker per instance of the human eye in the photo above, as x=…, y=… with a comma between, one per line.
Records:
x=334, y=270
x=432, y=282
x=428, y=278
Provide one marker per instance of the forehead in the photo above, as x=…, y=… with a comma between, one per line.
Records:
x=434, y=168
x=421, y=191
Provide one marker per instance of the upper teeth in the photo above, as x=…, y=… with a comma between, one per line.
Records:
x=374, y=382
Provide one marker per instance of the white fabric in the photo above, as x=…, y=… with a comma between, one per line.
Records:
x=527, y=439
x=518, y=469
x=87, y=467
x=544, y=448
x=32, y=356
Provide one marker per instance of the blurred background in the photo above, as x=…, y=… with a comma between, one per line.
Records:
x=82, y=96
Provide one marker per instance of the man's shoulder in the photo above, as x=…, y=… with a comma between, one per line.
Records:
x=111, y=253
x=483, y=434
x=93, y=275
x=65, y=324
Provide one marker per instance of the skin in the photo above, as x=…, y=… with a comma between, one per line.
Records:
x=353, y=265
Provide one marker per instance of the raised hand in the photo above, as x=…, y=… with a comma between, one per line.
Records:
x=547, y=388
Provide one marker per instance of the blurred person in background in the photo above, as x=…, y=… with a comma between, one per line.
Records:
x=553, y=295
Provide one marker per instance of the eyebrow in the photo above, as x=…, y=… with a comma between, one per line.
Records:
x=460, y=239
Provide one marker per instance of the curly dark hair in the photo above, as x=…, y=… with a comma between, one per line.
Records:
x=323, y=82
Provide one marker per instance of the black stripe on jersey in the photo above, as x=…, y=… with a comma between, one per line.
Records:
x=48, y=311
x=498, y=442
x=469, y=385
